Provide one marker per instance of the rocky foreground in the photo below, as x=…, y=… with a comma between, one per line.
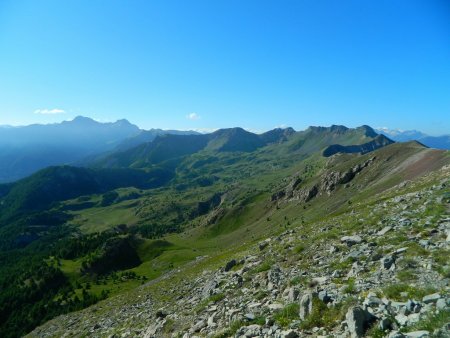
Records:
x=380, y=270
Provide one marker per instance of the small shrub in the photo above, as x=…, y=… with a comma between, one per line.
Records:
x=344, y=265
x=168, y=326
x=406, y=275
x=295, y=281
x=414, y=250
x=409, y=263
x=236, y=325
x=299, y=248
x=263, y=267
x=432, y=322
x=441, y=256
x=289, y=313
x=375, y=332
x=260, y=320
x=261, y=295
x=444, y=271
x=216, y=298
x=403, y=292
x=350, y=288
x=322, y=316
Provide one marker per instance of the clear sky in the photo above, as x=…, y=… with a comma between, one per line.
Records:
x=211, y=64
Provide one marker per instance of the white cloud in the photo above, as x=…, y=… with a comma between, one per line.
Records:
x=252, y=130
x=193, y=116
x=49, y=111
x=206, y=130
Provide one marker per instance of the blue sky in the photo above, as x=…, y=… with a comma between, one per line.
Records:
x=255, y=64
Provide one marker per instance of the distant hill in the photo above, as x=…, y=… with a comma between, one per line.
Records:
x=25, y=150
x=53, y=184
x=438, y=142
x=148, y=136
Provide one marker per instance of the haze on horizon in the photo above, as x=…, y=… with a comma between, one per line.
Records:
x=203, y=65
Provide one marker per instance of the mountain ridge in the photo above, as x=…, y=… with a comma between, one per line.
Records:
x=230, y=139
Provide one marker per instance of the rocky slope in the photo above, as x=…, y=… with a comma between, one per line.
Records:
x=378, y=268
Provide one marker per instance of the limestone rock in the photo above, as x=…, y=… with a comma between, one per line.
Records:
x=417, y=334
x=358, y=321
x=306, y=305
x=351, y=240
x=433, y=298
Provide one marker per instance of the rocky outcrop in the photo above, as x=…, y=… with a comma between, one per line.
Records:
x=328, y=183
x=331, y=180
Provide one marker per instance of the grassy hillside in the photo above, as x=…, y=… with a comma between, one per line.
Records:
x=55, y=184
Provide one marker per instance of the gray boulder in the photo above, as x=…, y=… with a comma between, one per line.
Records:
x=289, y=334
x=433, y=298
x=351, y=240
x=417, y=334
x=306, y=305
x=384, y=231
x=358, y=321
x=385, y=324
x=293, y=295
x=198, y=326
x=441, y=304
x=387, y=262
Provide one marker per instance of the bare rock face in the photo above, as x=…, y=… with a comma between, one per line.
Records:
x=305, y=195
x=328, y=183
x=293, y=185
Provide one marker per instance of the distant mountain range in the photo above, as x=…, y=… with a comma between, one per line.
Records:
x=25, y=150
x=438, y=142
x=172, y=148
x=86, y=142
